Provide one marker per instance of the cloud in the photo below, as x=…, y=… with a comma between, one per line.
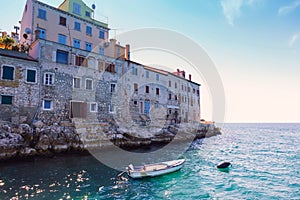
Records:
x=232, y=8
x=294, y=39
x=289, y=8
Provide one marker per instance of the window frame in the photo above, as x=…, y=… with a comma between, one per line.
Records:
x=62, y=52
x=44, y=16
x=74, y=82
x=51, y=105
x=2, y=72
x=78, y=42
x=112, y=87
x=26, y=76
x=62, y=19
x=45, y=31
x=11, y=96
x=96, y=107
x=78, y=28
x=88, y=79
x=53, y=78
x=89, y=28
x=102, y=33
x=157, y=77
x=86, y=45
x=62, y=39
x=76, y=5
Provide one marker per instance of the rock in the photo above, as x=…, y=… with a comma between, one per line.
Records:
x=25, y=129
x=28, y=152
x=43, y=143
x=38, y=124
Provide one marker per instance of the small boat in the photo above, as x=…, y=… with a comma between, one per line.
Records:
x=157, y=169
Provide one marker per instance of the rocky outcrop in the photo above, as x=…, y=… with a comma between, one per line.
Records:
x=27, y=141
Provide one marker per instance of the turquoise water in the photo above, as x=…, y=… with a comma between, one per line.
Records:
x=265, y=165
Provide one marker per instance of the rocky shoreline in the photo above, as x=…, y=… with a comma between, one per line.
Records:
x=25, y=141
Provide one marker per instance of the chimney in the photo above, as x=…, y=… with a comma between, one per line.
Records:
x=190, y=77
x=127, y=52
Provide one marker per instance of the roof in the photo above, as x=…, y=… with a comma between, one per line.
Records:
x=16, y=54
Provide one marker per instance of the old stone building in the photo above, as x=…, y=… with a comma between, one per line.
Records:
x=86, y=77
x=19, y=87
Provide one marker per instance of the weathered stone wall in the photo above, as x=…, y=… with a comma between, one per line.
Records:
x=25, y=95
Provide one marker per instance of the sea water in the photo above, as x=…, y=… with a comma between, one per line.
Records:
x=265, y=165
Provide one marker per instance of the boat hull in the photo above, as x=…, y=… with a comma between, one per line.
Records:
x=167, y=170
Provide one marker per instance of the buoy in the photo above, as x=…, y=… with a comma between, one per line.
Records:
x=223, y=165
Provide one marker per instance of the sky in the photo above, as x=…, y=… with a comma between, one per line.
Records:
x=255, y=45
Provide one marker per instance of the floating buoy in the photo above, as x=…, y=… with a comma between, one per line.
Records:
x=224, y=165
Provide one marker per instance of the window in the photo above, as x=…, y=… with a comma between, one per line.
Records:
x=77, y=26
x=62, y=57
x=198, y=93
x=93, y=107
x=175, y=85
x=181, y=87
x=189, y=89
x=135, y=102
x=136, y=87
x=175, y=97
x=42, y=33
x=157, y=77
x=101, y=34
x=31, y=76
x=147, y=74
x=170, y=96
x=8, y=72
x=157, y=91
x=88, y=46
x=78, y=109
x=89, y=30
x=111, y=108
x=87, y=13
x=48, y=78
x=76, y=43
x=80, y=61
x=170, y=84
x=76, y=82
x=147, y=89
x=118, y=52
x=62, y=39
x=101, y=50
x=112, y=88
x=110, y=68
x=194, y=91
x=62, y=21
x=6, y=100
x=134, y=71
x=88, y=84
x=47, y=105
x=42, y=14
x=76, y=8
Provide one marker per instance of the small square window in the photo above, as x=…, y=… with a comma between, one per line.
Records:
x=101, y=50
x=88, y=84
x=93, y=107
x=76, y=43
x=47, y=105
x=101, y=34
x=87, y=13
x=88, y=46
x=49, y=78
x=89, y=30
x=6, y=100
x=42, y=33
x=62, y=57
x=8, y=72
x=76, y=8
x=157, y=77
x=42, y=14
x=76, y=82
x=62, y=21
x=77, y=26
x=62, y=39
x=31, y=76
